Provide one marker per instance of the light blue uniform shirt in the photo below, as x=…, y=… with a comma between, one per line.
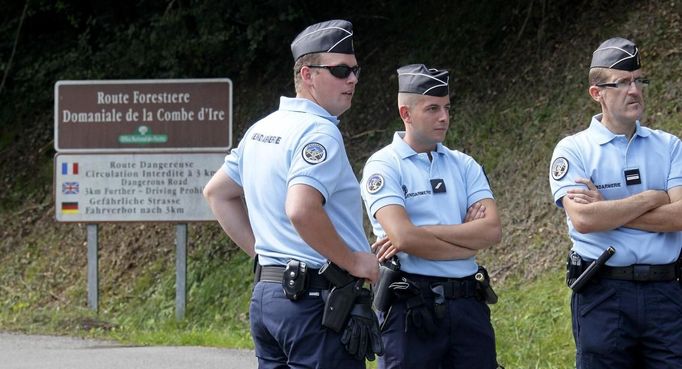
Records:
x=397, y=175
x=602, y=156
x=297, y=144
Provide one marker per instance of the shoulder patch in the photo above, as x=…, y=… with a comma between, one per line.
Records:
x=314, y=153
x=375, y=182
x=559, y=168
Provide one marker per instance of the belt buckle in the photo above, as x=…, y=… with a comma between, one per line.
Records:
x=641, y=272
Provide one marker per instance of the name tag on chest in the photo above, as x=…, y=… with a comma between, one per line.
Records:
x=632, y=177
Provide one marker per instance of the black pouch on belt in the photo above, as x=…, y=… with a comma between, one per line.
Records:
x=294, y=279
x=574, y=267
x=486, y=290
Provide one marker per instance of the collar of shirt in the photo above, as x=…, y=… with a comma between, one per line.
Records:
x=405, y=151
x=305, y=106
x=603, y=135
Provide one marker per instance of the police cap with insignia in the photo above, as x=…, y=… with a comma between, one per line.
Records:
x=616, y=53
x=418, y=79
x=334, y=36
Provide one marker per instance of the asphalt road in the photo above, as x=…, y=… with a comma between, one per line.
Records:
x=47, y=352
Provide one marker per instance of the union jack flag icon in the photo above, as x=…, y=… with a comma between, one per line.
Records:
x=70, y=188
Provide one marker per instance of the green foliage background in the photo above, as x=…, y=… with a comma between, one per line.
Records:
x=518, y=71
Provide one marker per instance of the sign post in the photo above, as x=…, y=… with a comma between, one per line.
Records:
x=139, y=151
x=93, y=270
x=180, y=270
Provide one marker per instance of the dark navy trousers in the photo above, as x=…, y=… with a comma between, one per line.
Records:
x=628, y=325
x=289, y=334
x=464, y=339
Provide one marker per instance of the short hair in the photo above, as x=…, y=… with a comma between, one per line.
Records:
x=308, y=59
x=598, y=75
x=408, y=99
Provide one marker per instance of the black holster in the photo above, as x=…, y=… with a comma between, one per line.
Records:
x=389, y=272
x=341, y=298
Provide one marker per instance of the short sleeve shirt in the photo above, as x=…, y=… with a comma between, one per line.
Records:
x=436, y=191
x=298, y=144
x=651, y=160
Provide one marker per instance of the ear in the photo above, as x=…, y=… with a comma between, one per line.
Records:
x=404, y=111
x=306, y=74
x=595, y=93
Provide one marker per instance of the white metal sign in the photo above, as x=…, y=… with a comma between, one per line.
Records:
x=133, y=187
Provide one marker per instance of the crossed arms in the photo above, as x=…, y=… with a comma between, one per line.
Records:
x=651, y=210
x=481, y=229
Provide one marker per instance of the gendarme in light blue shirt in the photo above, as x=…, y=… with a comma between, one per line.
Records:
x=297, y=144
x=604, y=157
x=397, y=175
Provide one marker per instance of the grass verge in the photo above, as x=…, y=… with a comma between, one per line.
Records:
x=532, y=319
x=533, y=323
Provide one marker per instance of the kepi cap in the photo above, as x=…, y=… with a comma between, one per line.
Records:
x=616, y=53
x=418, y=79
x=334, y=36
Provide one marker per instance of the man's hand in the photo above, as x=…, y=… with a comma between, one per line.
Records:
x=365, y=265
x=383, y=249
x=585, y=196
x=475, y=211
x=591, y=212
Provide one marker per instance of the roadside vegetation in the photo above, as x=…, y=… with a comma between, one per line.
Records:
x=519, y=71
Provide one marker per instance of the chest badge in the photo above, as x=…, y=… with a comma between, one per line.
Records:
x=438, y=185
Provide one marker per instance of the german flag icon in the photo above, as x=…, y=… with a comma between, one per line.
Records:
x=69, y=208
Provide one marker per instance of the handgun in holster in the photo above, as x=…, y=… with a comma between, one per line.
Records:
x=489, y=295
x=389, y=272
x=341, y=297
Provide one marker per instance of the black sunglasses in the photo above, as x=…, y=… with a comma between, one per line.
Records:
x=340, y=71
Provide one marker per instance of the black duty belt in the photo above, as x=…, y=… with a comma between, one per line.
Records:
x=274, y=274
x=640, y=272
x=453, y=288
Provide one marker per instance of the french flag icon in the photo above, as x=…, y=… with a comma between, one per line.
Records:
x=73, y=166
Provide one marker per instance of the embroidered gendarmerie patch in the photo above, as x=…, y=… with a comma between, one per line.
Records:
x=375, y=182
x=559, y=168
x=314, y=153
